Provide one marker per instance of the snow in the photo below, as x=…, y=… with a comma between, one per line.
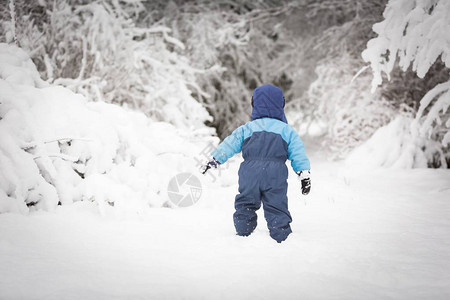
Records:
x=349, y=112
x=415, y=33
x=85, y=213
x=58, y=148
x=391, y=146
x=372, y=235
x=17, y=67
x=440, y=107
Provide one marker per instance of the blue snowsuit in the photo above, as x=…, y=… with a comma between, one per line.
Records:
x=266, y=142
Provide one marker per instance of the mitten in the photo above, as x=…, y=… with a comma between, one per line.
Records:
x=305, y=178
x=210, y=164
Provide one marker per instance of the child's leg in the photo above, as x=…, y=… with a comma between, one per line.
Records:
x=247, y=202
x=245, y=218
x=276, y=212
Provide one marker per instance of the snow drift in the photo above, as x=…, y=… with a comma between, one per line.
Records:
x=57, y=148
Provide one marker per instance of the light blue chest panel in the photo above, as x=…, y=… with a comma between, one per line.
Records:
x=273, y=140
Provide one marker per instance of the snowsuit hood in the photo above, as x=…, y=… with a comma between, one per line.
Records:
x=268, y=102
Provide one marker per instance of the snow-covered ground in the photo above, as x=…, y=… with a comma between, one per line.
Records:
x=372, y=235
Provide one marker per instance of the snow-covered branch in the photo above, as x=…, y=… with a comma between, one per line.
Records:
x=416, y=34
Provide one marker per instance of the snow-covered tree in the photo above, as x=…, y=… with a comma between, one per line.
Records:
x=415, y=34
x=346, y=111
x=56, y=147
x=239, y=43
x=96, y=49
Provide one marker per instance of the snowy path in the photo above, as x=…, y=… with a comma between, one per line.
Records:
x=383, y=235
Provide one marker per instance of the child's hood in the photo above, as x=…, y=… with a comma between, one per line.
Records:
x=268, y=102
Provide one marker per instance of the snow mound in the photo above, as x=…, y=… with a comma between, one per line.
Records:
x=57, y=148
x=391, y=146
x=17, y=68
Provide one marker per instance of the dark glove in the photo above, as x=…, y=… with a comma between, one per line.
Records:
x=211, y=164
x=305, y=179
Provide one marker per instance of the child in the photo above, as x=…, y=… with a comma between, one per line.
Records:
x=266, y=142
